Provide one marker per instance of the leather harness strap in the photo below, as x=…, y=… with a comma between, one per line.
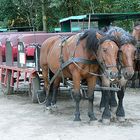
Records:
x=71, y=60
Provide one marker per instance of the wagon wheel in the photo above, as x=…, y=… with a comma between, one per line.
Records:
x=33, y=89
x=7, y=89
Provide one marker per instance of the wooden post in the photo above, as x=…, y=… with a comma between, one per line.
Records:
x=89, y=21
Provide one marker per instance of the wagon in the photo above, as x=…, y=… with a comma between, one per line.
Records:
x=21, y=63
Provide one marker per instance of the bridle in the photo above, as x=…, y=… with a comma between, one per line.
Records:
x=102, y=63
x=120, y=64
x=120, y=59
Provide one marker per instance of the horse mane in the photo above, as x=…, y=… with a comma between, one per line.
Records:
x=123, y=36
x=109, y=37
x=92, y=43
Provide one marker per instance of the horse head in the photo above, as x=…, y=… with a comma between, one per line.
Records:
x=127, y=51
x=104, y=49
x=127, y=54
x=107, y=56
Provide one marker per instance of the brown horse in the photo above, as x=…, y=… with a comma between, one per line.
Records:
x=136, y=34
x=78, y=57
x=126, y=57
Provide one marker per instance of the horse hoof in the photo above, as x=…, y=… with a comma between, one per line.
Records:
x=77, y=119
x=92, y=116
x=121, y=119
x=93, y=119
x=106, y=121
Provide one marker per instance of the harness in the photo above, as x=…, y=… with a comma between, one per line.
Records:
x=74, y=61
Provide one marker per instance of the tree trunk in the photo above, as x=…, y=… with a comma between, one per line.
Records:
x=44, y=16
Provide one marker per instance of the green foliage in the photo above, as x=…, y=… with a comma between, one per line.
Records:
x=29, y=12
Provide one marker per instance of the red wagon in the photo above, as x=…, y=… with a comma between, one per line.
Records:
x=22, y=62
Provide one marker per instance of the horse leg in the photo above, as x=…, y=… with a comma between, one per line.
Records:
x=113, y=104
x=113, y=101
x=77, y=95
x=55, y=91
x=49, y=97
x=120, y=110
x=45, y=71
x=91, y=84
x=106, y=113
x=102, y=102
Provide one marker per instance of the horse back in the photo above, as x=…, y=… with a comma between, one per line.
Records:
x=46, y=47
x=51, y=51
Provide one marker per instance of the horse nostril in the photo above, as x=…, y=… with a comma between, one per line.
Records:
x=113, y=74
x=128, y=75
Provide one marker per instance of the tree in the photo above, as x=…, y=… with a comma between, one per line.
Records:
x=45, y=14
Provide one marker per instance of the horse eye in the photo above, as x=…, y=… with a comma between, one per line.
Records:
x=104, y=49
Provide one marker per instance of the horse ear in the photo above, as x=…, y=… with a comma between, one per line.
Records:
x=117, y=34
x=99, y=36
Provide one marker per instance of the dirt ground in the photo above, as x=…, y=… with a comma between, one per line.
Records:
x=23, y=120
